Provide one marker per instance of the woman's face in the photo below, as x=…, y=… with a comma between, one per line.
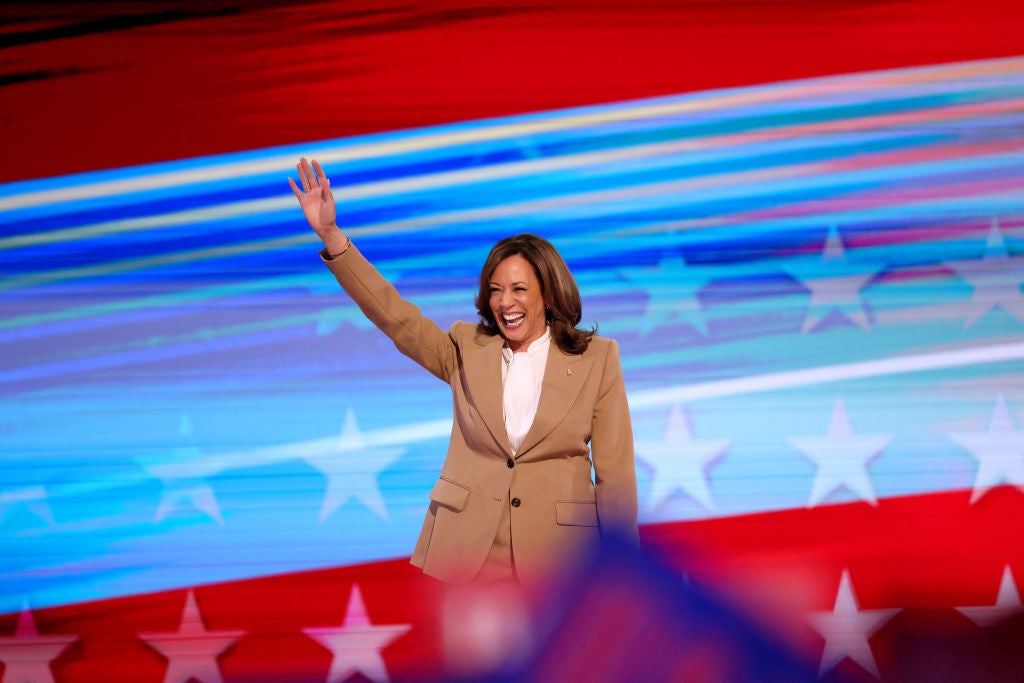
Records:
x=517, y=302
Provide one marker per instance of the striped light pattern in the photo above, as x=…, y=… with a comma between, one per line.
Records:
x=816, y=286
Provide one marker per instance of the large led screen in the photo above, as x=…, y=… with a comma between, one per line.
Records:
x=804, y=226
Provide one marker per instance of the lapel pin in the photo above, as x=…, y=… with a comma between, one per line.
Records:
x=568, y=371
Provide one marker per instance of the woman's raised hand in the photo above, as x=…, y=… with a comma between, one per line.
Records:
x=315, y=197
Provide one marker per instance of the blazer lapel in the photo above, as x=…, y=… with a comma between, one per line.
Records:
x=483, y=378
x=563, y=378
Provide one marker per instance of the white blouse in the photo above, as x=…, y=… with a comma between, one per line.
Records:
x=522, y=374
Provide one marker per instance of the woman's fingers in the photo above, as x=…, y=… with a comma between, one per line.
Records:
x=320, y=175
x=295, y=189
x=316, y=187
x=310, y=176
x=306, y=175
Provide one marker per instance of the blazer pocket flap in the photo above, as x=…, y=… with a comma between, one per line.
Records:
x=576, y=513
x=450, y=494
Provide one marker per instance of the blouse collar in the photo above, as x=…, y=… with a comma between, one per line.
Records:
x=539, y=344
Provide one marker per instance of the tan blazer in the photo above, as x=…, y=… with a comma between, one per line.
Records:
x=556, y=508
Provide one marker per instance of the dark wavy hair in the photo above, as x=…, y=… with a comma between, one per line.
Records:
x=562, y=304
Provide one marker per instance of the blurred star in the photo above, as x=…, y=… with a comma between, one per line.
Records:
x=357, y=643
x=672, y=289
x=192, y=651
x=996, y=279
x=999, y=452
x=27, y=655
x=1007, y=603
x=841, y=457
x=835, y=285
x=32, y=497
x=352, y=471
x=847, y=628
x=679, y=462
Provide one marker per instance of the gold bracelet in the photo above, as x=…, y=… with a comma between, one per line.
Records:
x=348, y=243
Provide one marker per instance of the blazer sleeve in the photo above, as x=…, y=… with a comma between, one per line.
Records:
x=414, y=335
x=611, y=446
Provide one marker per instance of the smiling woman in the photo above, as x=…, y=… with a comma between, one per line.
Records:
x=526, y=286
x=516, y=302
x=516, y=498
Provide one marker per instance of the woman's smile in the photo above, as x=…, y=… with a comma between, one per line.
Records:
x=517, y=302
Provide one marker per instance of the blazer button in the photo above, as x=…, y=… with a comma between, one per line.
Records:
x=510, y=463
x=516, y=502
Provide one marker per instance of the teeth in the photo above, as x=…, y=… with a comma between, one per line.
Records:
x=513, y=319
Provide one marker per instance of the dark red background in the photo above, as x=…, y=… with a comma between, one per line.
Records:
x=88, y=86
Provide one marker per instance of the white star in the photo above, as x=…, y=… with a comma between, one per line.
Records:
x=192, y=651
x=357, y=643
x=999, y=452
x=352, y=471
x=27, y=655
x=183, y=483
x=34, y=500
x=178, y=491
x=996, y=279
x=1007, y=603
x=672, y=289
x=679, y=461
x=846, y=629
x=841, y=457
x=183, y=475
x=837, y=287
